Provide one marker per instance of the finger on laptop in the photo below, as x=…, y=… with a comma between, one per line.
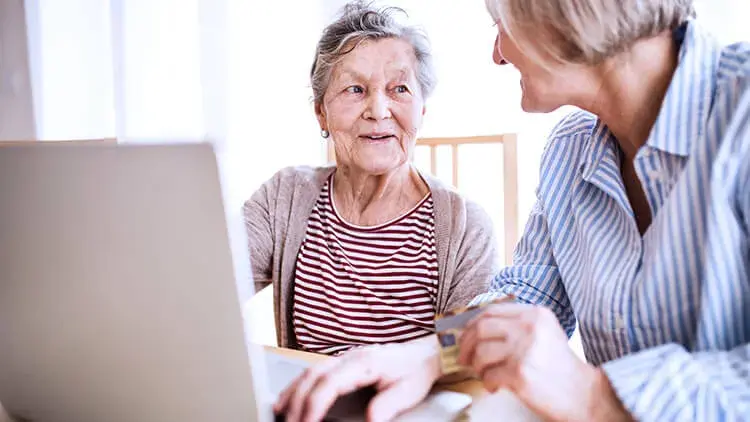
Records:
x=283, y=399
x=287, y=397
x=397, y=398
x=350, y=375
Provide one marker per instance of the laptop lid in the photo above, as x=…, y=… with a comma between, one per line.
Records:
x=118, y=300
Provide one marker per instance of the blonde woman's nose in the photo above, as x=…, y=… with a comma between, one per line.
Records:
x=497, y=54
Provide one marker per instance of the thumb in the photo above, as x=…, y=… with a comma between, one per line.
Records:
x=396, y=398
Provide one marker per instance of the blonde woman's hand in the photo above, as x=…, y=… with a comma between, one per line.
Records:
x=524, y=349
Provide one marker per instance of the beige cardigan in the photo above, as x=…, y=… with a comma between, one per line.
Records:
x=276, y=222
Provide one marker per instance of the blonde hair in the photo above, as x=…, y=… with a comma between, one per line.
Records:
x=585, y=31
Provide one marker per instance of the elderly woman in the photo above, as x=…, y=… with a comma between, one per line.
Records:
x=368, y=251
x=641, y=232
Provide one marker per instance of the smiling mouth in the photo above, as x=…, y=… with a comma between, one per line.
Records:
x=377, y=138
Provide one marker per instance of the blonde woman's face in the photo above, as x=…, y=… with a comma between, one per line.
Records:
x=373, y=106
x=545, y=87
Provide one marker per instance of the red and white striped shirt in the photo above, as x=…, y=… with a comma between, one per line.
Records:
x=365, y=285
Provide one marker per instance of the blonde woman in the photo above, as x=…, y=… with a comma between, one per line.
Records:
x=641, y=231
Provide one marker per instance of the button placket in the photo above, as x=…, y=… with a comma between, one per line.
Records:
x=652, y=178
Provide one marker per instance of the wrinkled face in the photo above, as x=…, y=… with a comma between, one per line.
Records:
x=373, y=106
x=545, y=87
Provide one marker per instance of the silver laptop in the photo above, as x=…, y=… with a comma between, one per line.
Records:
x=118, y=299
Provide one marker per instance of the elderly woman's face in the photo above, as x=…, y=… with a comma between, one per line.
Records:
x=373, y=106
x=545, y=88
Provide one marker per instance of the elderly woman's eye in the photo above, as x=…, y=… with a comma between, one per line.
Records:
x=355, y=89
x=402, y=89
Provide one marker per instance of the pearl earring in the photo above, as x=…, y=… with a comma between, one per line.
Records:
x=324, y=133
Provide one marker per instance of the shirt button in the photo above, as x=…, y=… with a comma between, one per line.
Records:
x=619, y=322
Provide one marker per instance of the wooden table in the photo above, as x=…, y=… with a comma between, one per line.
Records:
x=472, y=387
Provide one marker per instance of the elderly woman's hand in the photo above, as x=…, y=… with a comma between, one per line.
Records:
x=523, y=348
x=401, y=373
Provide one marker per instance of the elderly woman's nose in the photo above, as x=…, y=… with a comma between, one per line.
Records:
x=378, y=107
x=497, y=54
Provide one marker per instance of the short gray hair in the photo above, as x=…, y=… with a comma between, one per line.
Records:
x=586, y=31
x=358, y=22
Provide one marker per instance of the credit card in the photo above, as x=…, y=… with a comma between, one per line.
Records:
x=449, y=327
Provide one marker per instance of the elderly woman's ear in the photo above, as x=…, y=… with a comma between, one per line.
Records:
x=321, y=120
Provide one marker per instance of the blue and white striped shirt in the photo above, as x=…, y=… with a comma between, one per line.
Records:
x=666, y=314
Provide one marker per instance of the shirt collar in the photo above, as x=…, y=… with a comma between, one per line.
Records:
x=600, y=148
x=684, y=111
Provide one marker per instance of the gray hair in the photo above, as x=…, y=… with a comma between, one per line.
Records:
x=585, y=31
x=358, y=22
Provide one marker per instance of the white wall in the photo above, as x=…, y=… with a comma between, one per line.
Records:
x=271, y=120
x=161, y=73
x=727, y=19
